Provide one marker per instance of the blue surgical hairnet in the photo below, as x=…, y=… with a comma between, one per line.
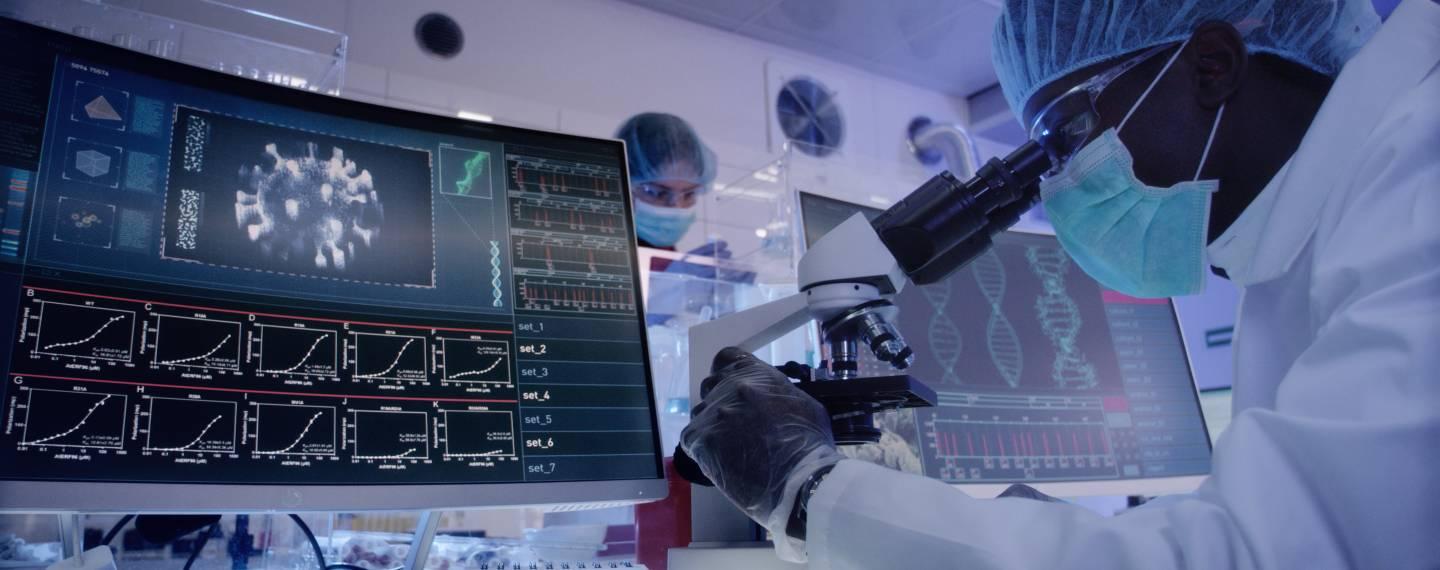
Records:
x=664, y=147
x=1039, y=41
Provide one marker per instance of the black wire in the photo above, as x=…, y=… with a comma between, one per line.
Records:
x=319, y=553
x=199, y=546
x=310, y=535
x=114, y=530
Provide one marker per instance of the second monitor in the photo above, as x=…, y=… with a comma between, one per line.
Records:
x=1043, y=376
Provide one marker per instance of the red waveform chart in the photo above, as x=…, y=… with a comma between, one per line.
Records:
x=583, y=217
x=575, y=296
x=588, y=255
x=989, y=448
x=553, y=179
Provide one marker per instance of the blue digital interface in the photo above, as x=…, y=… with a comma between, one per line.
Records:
x=214, y=280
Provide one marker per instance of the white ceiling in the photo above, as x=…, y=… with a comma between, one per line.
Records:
x=943, y=45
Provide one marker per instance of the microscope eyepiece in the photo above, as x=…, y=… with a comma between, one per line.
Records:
x=945, y=223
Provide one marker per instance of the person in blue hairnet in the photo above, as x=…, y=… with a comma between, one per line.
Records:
x=1291, y=145
x=669, y=169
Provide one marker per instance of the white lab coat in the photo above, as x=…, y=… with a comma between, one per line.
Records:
x=1333, y=457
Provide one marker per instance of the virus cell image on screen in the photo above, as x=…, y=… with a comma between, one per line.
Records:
x=263, y=197
x=306, y=209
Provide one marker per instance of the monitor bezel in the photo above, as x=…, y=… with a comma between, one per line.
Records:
x=24, y=495
x=1140, y=486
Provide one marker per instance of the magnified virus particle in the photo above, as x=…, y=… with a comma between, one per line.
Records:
x=475, y=171
x=309, y=210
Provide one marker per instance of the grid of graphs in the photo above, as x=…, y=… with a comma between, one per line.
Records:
x=127, y=333
x=191, y=425
x=194, y=358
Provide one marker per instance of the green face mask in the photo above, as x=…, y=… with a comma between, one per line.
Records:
x=1140, y=240
x=662, y=227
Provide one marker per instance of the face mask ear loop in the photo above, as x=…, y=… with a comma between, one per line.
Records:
x=1213, y=129
x=1153, y=83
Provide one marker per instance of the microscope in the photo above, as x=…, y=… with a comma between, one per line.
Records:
x=849, y=278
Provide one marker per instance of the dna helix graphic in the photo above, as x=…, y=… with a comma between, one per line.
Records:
x=495, y=274
x=1000, y=336
x=1059, y=317
x=945, y=341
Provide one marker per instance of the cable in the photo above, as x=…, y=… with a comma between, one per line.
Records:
x=114, y=530
x=310, y=535
x=199, y=546
x=319, y=553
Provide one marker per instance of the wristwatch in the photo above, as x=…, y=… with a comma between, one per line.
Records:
x=799, y=514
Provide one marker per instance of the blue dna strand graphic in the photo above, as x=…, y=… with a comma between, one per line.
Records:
x=1059, y=317
x=1000, y=336
x=945, y=341
x=495, y=273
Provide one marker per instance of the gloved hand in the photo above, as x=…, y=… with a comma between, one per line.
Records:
x=758, y=438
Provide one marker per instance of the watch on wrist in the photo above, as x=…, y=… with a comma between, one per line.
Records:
x=799, y=513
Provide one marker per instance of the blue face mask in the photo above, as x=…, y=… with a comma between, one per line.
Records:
x=1140, y=240
x=662, y=227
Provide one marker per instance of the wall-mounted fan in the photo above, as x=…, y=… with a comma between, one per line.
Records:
x=810, y=117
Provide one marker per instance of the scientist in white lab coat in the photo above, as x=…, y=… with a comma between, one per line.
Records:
x=1293, y=145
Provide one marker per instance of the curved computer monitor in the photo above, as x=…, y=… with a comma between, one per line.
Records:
x=1043, y=376
x=226, y=295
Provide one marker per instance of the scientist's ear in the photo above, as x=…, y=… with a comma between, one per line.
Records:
x=1217, y=59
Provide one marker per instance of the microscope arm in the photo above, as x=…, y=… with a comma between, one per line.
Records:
x=750, y=329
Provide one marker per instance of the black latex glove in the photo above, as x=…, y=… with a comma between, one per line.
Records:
x=757, y=437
